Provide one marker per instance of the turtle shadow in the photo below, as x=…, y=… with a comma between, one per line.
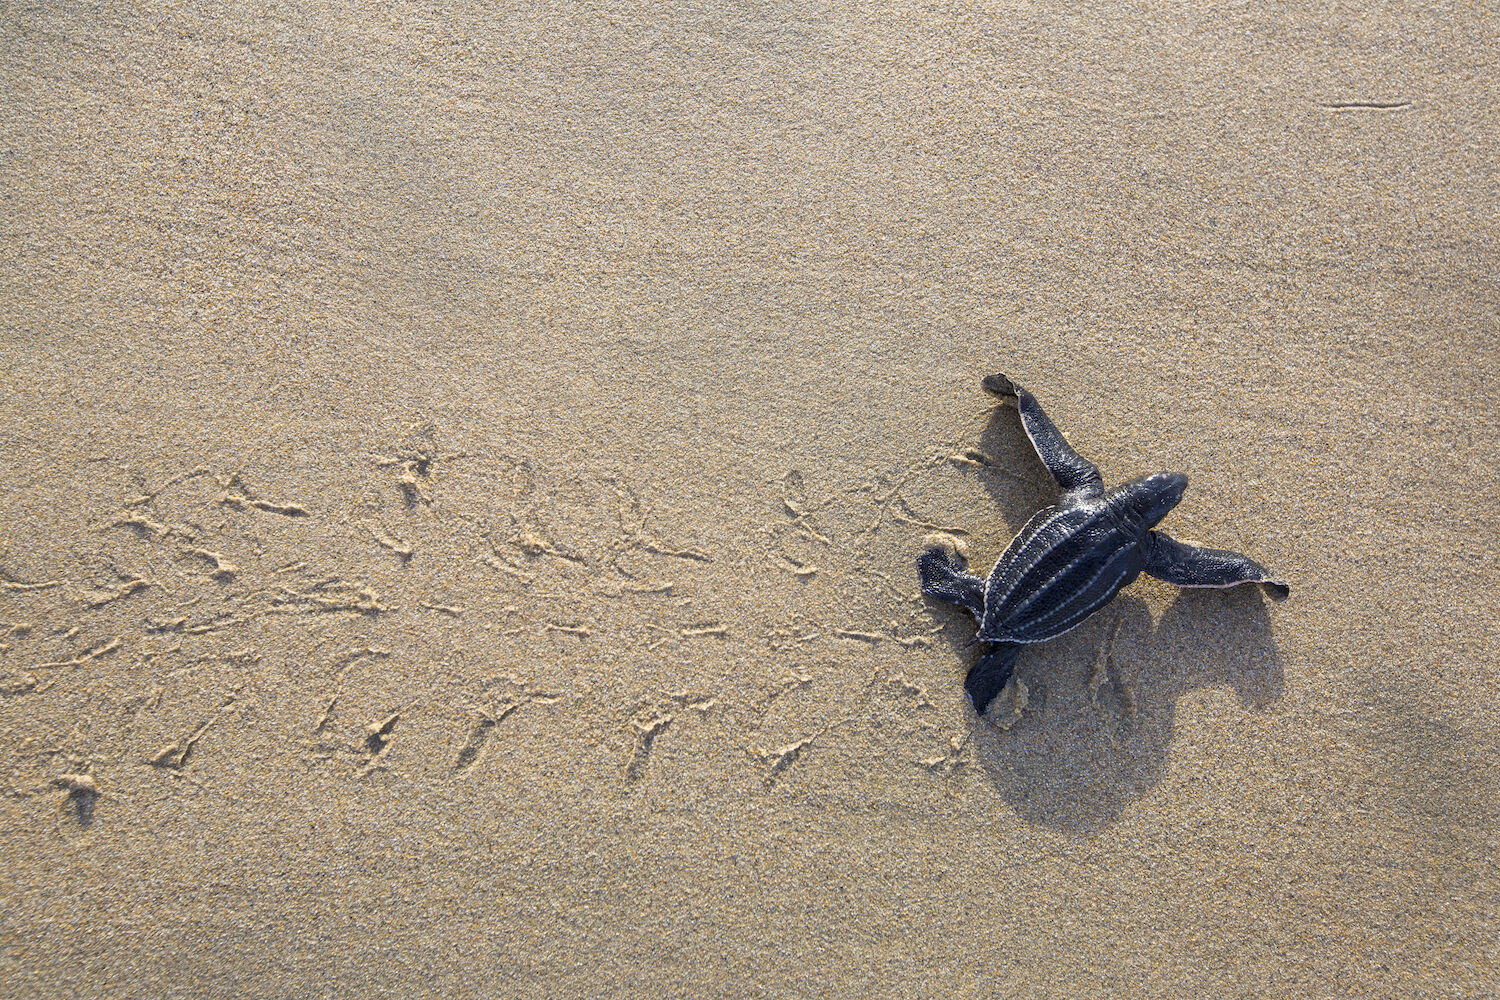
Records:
x=1003, y=446
x=1081, y=753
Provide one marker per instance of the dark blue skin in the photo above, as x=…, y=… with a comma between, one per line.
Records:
x=1072, y=558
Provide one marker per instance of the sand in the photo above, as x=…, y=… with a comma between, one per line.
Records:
x=461, y=472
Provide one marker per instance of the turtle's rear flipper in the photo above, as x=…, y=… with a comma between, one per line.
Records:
x=1189, y=566
x=989, y=675
x=1070, y=470
x=941, y=573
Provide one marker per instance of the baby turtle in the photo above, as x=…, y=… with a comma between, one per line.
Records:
x=1073, y=557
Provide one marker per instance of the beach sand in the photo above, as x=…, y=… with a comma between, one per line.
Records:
x=461, y=473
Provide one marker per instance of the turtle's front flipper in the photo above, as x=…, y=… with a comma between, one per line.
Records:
x=1189, y=566
x=941, y=571
x=1071, y=470
x=989, y=675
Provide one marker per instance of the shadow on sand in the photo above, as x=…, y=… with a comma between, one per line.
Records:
x=1098, y=724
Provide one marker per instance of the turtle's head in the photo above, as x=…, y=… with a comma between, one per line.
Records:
x=1145, y=501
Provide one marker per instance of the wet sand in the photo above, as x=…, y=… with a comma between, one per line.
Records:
x=461, y=475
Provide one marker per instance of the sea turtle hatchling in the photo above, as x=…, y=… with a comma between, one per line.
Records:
x=1071, y=558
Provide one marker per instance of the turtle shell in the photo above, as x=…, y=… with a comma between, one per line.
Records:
x=1065, y=564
